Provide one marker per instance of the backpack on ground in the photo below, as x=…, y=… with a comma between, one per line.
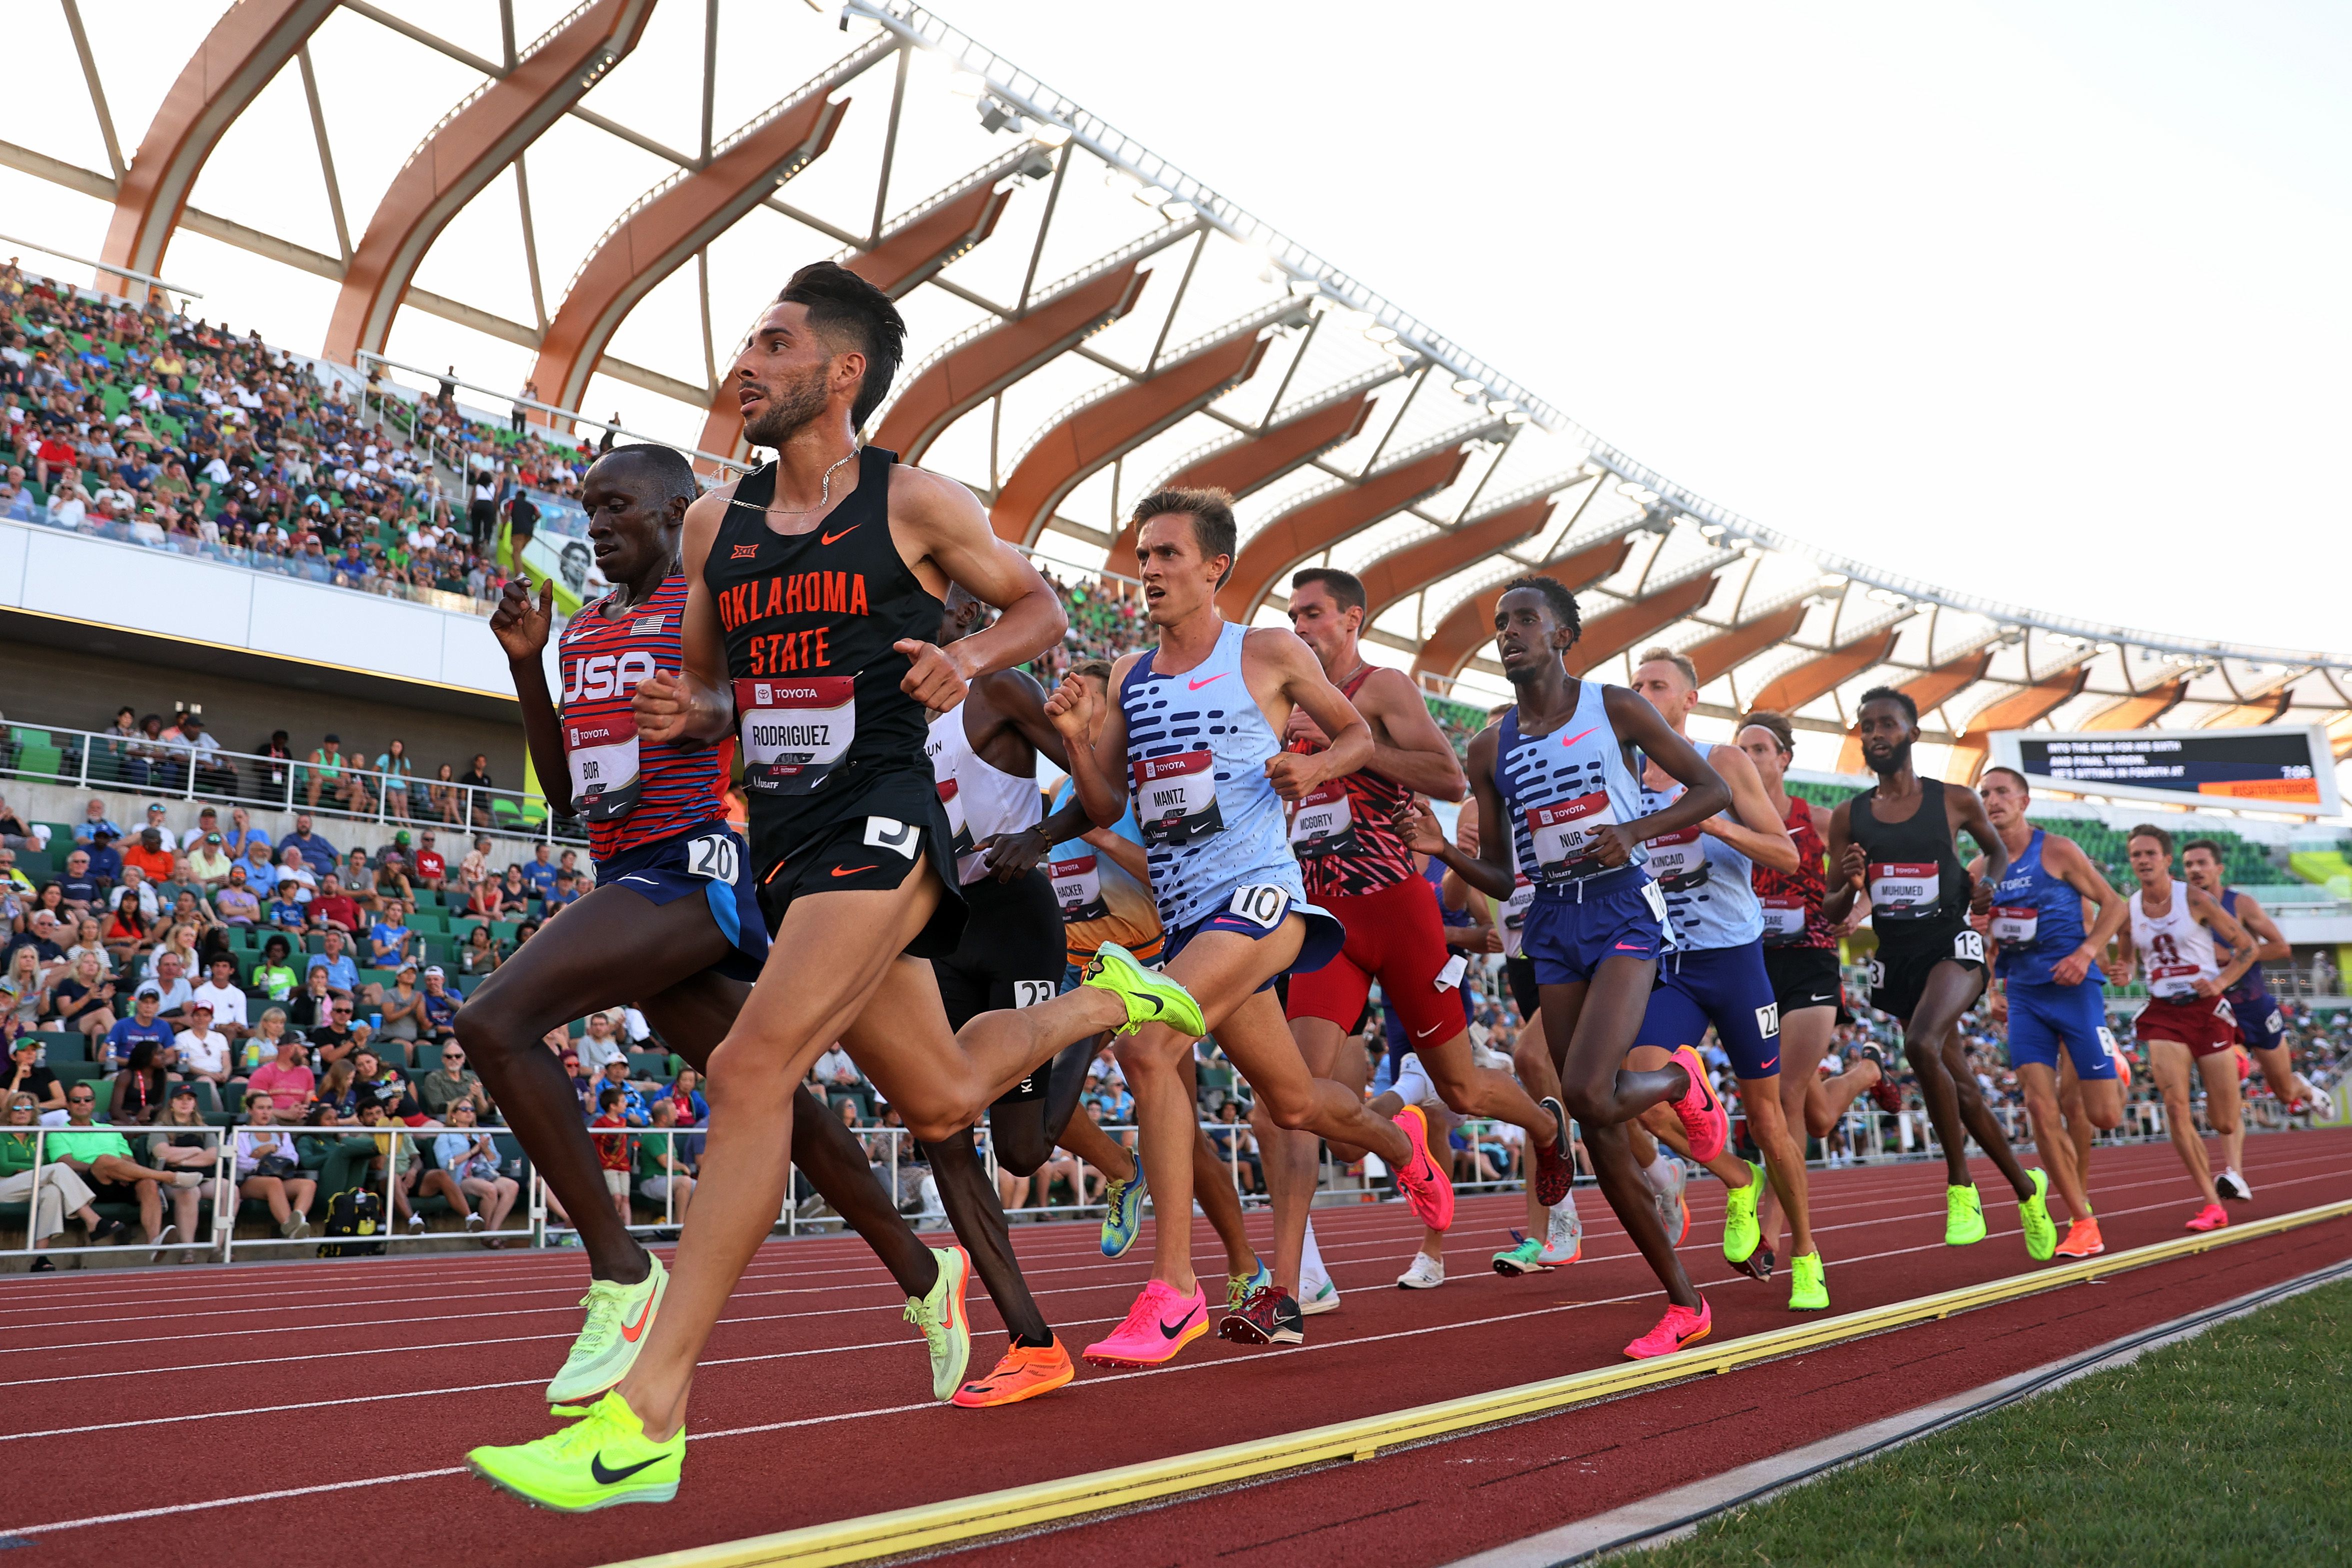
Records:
x=355, y=1211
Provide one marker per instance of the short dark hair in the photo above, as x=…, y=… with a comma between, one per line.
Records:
x=1556, y=595
x=2150, y=831
x=1901, y=699
x=666, y=466
x=838, y=300
x=1212, y=511
x=1777, y=725
x=2209, y=846
x=1344, y=586
x=2023, y=785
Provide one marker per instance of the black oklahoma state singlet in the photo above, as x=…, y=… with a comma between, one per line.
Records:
x=810, y=619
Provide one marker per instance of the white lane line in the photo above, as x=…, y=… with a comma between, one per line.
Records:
x=36, y=1530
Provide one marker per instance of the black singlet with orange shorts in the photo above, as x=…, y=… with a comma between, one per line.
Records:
x=839, y=789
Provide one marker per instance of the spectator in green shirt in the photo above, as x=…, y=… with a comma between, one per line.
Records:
x=661, y=1175
x=101, y=1156
x=275, y=975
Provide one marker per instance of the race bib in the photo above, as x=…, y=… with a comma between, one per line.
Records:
x=1077, y=888
x=1902, y=890
x=2013, y=927
x=1176, y=798
x=1878, y=974
x=1324, y=823
x=1678, y=861
x=1565, y=835
x=794, y=733
x=1784, y=918
x=603, y=757
x=1031, y=993
x=713, y=855
x=1968, y=944
x=971, y=864
x=1263, y=903
x=1515, y=916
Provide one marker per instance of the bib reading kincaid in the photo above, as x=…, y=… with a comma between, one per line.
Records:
x=1709, y=887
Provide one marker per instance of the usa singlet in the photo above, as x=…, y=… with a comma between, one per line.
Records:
x=631, y=795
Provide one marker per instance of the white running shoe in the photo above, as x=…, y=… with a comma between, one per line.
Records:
x=1316, y=1295
x=1424, y=1273
x=2233, y=1186
x=2323, y=1102
x=1563, y=1237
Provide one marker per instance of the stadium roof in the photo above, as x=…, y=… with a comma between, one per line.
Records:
x=1087, y=322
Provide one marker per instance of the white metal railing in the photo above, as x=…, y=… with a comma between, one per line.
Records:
x=167, y=765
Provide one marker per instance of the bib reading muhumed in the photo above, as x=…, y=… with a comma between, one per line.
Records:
x=1904, y=890
x=794, y=732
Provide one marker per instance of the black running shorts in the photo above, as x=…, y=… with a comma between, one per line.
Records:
x=871, y=842
x=1899, y=969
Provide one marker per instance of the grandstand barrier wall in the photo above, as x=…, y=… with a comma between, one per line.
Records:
x=54, y=777
x=47, y=571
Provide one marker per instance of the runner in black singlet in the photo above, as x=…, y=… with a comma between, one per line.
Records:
x=1929, y=968
x=814, y=586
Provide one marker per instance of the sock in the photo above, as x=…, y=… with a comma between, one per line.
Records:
x=1310, y=1260
x=1022, y=1342
x=1659, y=1173
x=1567, y=1204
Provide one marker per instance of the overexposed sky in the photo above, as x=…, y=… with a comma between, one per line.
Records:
x=2044, y=302
x=2040, y=302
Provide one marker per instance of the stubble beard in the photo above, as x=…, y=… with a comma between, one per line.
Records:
x=790, y=406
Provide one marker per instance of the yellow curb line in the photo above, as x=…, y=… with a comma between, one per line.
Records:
x=1017, y=1508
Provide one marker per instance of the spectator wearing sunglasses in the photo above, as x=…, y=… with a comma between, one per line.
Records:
x=450, y=1085
x=101, y=1157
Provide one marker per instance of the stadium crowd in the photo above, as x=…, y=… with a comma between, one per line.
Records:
x=147, y=426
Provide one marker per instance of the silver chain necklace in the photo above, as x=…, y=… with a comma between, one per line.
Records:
x=824, y=496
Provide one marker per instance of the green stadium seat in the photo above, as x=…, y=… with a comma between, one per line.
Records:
x=41, y=762
x=60, y=1046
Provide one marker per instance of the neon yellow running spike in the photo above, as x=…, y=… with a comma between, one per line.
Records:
x=2034, y=1213
x=1964, y=1223
x=940, y=1316
x=602, y=1460
x=1150, y=998
x=619, y=1317
x=1809, y=1289
x=1741, y=1234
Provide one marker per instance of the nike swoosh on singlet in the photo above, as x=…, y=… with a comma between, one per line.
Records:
x=1195, y=685
x=828, y=539
x=1572, y=739
x=851, y=869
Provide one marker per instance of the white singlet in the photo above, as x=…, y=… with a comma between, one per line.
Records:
x=982, y=799
x=2175, y=949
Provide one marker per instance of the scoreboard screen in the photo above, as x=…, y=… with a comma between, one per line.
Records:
x=2272, y=768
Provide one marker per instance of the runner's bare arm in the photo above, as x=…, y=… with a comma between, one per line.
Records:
x=522, y=626
x=937, y=520
x=2072, y=866
x=1703, y=791
x=2205, y=907
x=1276, y=664
x=1489, y=872
x=1416, y=753
x=1745, y=827
x=2270, y=942
x=1094, y=768
x=1965, y=812
x=1843, y=881
x=1021, y=701
x=698, y=702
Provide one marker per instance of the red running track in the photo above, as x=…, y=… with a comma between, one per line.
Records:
x=247, y=1413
